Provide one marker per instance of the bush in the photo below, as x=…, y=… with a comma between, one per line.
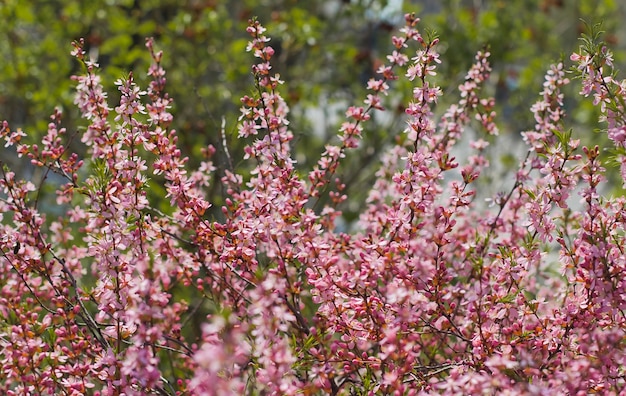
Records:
x=432, y=292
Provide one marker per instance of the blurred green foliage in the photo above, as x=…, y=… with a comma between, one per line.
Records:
x=524, y=38
x=326, y=52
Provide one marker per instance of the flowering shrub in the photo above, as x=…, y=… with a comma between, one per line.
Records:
x=432, y=292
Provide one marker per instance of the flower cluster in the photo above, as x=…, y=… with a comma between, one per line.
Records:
x=431, y=292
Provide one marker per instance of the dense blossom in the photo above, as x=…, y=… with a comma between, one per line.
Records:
x=430, y=292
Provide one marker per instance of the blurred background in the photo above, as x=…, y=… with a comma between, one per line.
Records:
x=326, y=52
